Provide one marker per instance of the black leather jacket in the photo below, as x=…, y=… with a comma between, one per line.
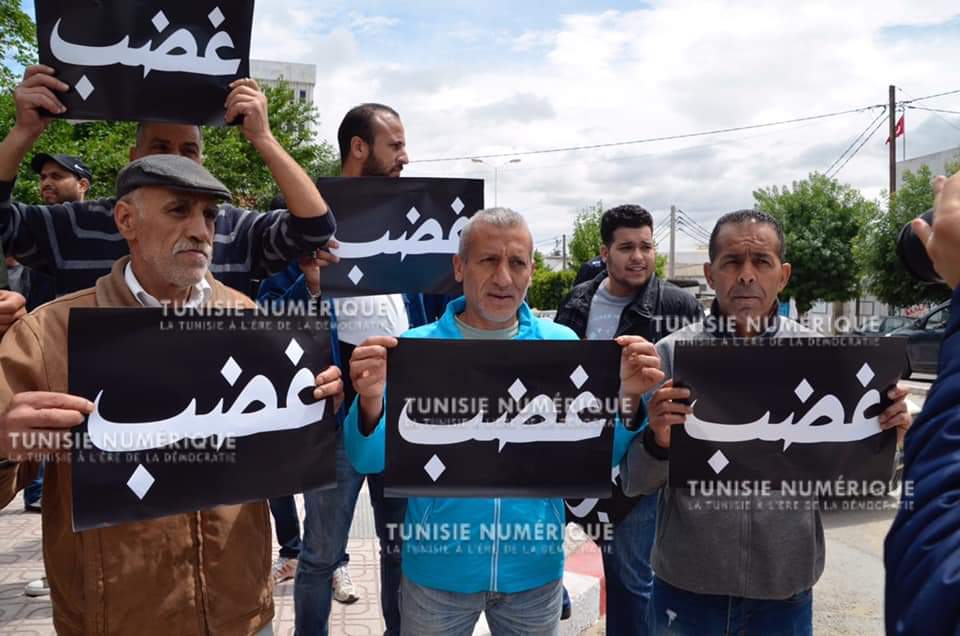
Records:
x=658, y=310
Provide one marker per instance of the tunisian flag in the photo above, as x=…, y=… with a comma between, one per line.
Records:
x=899, y=129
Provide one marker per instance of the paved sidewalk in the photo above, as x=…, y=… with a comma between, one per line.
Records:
x=21, y=561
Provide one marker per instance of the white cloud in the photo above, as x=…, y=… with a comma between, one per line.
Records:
x=607, y=76
x=371, y=23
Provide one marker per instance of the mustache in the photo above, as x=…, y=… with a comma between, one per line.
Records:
x=187, y=245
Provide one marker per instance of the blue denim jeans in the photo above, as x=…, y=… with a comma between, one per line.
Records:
x=626, y=568
x=286, y=520
x=676, y=611
x=430, y=612
x=326, y=528
x=34, y=490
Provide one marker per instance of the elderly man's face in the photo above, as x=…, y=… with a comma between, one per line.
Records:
x=747, y=273
x=172, y=234
x=495, y=273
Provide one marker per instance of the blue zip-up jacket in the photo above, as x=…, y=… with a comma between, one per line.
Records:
x=922, y=550
x=485, y=561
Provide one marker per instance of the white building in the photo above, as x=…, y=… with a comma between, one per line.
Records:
x=937, y=162
x=300, y=78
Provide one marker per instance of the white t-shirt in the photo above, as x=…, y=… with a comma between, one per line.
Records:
x=361, y=317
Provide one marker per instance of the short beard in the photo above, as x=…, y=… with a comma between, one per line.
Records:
x=373, y=168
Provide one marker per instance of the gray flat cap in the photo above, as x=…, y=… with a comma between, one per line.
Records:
x=170, y=171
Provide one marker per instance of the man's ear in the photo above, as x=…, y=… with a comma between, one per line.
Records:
x=458, y=268
x=84, y=186
x=124, y=215
x=785, y=270
x=708, y=274
x=359, y=149
x=604, y=253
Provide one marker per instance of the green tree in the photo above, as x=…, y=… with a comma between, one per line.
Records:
x=548, y=288
x=821, y=218
x=239, y=166
x=661, y=267
x=884, y=274
x=585, y=243
x=105, y=147
x=18, y=42
x=539, y=264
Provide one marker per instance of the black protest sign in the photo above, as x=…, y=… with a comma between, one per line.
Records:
x=502, y=418
x=151, y=60
x=785, y=412
x=193, y=412
x=397, y=235
x=593, y=514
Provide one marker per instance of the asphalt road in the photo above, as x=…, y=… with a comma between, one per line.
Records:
x=848, y=599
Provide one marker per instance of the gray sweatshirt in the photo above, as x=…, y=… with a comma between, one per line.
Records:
x=762, y=547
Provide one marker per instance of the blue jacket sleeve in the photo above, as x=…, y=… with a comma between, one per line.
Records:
x=622, y=436
x=366, y=452
x=922, y=550
x=283, y=287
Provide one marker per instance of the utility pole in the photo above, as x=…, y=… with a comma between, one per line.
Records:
x=672, y=270
x=564, y=252
x=893, y=141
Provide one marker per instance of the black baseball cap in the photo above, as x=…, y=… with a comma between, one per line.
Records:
x=71, y=163
x=170, y=171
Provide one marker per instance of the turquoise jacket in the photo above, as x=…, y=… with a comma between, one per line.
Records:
x=477, y=545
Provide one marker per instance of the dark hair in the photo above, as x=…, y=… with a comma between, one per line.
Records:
x=632, y=216
x=745, y=216
x=356, y=123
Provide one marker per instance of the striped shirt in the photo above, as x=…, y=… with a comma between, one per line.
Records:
x=78, y=242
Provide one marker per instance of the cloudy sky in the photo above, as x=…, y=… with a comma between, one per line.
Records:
x=477, y=78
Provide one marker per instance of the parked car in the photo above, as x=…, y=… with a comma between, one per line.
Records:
x=881, y=326
x=923, y=339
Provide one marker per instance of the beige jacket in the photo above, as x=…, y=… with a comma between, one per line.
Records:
x=187, y=574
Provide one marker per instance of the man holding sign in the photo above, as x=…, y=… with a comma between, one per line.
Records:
x=518, y=588
x=175, y=574
x=757, y=562
x=78, y=242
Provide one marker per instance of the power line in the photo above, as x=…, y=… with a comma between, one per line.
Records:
x=855, y=140
x=936, y=110
x=694, y=223
x=655, y=139
x=689, y=235
x=692, y=220
x=919, y=99
x=854, y=153
x=700, y=235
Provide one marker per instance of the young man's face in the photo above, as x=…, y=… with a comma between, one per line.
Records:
x=59, y=185
x=747, y=272
x=631, y=257
x=388, y=154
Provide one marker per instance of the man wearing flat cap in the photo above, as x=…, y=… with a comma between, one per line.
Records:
x=180, y=574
